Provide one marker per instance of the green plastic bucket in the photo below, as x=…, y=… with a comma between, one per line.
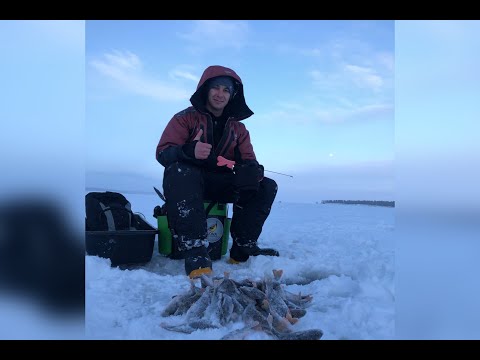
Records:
x=218, y=233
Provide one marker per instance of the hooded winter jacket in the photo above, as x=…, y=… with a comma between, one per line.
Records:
x=183, y=127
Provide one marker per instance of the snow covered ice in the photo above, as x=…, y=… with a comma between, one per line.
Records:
x=341, y=255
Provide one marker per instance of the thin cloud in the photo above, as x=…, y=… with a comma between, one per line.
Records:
x=343, y=63
x=182, y=74
x=288, y=116
x=312, y=52
x=359, y=113
x=309, y=52
x=387, y=60
x=348, y=66
x=349, y=75
x=320, y=77
x=329, y=81
x=374, y=109
x=125, y=68
x=364, y=77
x=125, y=60
x=306, y=115
x=214, y=34
x=291, y=106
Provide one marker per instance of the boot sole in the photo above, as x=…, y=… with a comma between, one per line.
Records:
x=199, y=272
x=233, y=262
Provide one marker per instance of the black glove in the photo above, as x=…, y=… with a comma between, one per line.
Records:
x=211, y=162
x=247, y=177
x=189, y=149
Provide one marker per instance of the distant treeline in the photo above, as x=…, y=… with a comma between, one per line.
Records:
x=361, y=202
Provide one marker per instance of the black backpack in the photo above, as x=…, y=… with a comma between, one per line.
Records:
x=108, y=211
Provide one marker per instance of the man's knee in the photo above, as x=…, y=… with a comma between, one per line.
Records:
x=269, y=187
x=181, y=170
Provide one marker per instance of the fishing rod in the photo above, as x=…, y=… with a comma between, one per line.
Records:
x=279, y=173
x=160, y=194
x=221, y=161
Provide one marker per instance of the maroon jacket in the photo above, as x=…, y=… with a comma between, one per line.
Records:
x=183, y=127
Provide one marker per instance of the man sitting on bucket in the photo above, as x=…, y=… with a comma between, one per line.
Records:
x=189, y=149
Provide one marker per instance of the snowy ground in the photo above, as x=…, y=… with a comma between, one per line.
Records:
x=343, y=255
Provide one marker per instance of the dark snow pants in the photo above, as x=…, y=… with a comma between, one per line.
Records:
x=186, y=187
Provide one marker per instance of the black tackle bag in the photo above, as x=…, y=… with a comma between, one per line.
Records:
x=108, y=211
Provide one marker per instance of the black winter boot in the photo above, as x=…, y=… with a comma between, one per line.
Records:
x=197, y=262
x=240, y=254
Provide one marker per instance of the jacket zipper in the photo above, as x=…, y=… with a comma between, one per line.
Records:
x=209, y=135
x=226, y=144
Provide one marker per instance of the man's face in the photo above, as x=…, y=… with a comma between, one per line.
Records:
x=218, y=97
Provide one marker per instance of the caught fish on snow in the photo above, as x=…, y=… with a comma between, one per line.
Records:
x=261, y=305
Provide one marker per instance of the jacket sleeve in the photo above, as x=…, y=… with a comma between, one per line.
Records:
x=244, y=151
x=176, y=134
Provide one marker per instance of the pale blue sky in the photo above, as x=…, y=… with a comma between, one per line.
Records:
x=322, y=93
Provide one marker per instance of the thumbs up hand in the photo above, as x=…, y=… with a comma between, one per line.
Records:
x=202, y=150
x=199, y=135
